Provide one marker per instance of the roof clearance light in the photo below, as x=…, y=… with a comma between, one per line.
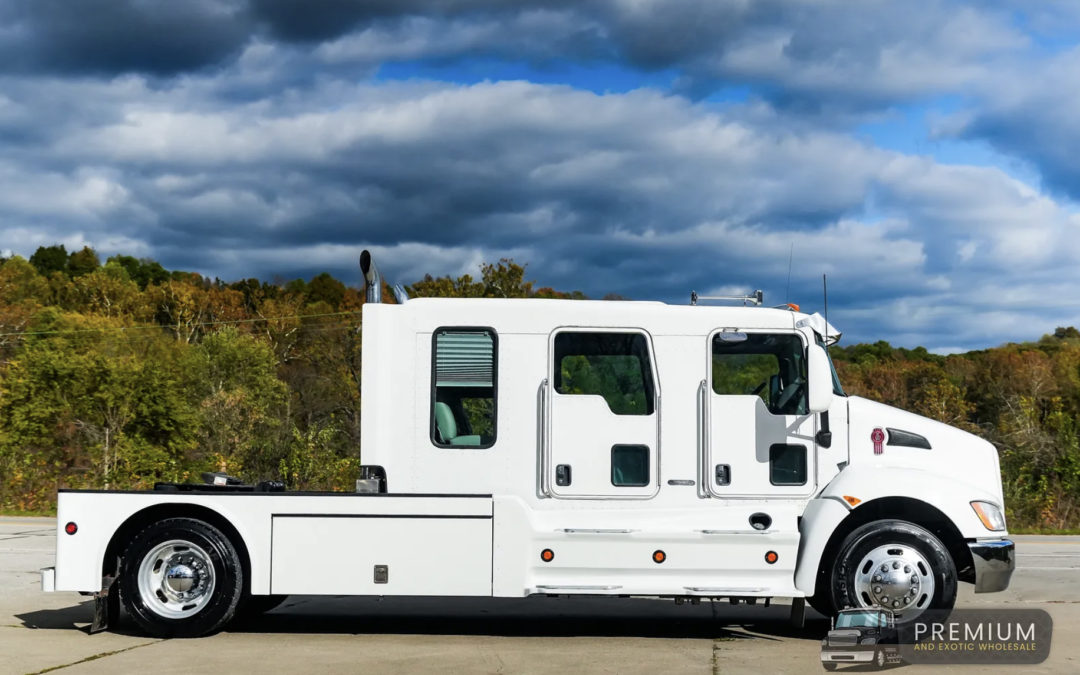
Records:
x=853, y=501
x=793, y=306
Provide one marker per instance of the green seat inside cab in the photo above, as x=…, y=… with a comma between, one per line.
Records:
x=447, y=426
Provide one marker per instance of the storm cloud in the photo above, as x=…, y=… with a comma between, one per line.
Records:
x=259, y=139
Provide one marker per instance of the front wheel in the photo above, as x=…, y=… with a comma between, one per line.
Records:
x=181, y=578
x=894, y=565
x=879, y=659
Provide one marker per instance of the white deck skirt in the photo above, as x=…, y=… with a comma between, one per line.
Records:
x=318, y=555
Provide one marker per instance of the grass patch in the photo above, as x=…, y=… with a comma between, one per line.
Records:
x=28, y=514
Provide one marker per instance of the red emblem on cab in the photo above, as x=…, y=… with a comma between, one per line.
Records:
x=878, y=437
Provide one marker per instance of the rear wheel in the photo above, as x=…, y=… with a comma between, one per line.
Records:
x=895, y=565
x=181, y=578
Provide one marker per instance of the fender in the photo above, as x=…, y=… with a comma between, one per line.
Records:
x=825, y=513
x=79, y=559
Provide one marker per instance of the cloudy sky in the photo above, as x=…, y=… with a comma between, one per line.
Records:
x=922, y=153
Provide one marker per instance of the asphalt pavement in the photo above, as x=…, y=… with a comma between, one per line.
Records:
x=45, y=632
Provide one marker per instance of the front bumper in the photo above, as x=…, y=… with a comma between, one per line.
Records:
x=860, y=656
x=995, y=562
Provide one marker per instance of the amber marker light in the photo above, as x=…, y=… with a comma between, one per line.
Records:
x=771, y=557
x=547, y=555
x=659, y=557
x=853, y=501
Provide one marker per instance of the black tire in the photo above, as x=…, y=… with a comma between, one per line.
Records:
x=883, y=532
x=829, y=666
x=254, y=605
x=224, y=598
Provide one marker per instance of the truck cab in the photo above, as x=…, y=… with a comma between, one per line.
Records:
x=518, y=447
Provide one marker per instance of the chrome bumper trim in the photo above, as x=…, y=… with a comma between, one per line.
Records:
x=861, y=656
x=995, y=562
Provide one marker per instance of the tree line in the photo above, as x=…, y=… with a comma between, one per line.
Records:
x=123, y=373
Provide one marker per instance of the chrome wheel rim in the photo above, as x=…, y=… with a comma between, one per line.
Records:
x=176, y=579
x=895, y=577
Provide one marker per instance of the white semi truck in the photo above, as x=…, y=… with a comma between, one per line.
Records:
x=517, y=447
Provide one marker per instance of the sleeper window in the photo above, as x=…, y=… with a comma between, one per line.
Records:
x=772, y=366
x=612, y=365
x=464, y=382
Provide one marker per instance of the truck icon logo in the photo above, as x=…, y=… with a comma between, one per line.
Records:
x=878, y=437
x=863, y=636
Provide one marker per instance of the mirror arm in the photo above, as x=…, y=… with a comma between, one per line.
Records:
x=824, y=435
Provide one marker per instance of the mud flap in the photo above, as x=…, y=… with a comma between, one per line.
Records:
x=107, y=603
x=798, y=612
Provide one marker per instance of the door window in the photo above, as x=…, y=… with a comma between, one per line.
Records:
x=787, y=464
x=772, y=366
x=630, y=465
x=614, y=366
x=464, y=380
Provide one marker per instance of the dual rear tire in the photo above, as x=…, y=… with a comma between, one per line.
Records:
x=183, y=578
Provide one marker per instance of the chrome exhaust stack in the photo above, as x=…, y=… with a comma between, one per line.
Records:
x=373, y=282
x=372, y=278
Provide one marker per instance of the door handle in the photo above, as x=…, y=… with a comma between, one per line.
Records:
x=723, y=474
x=562, y=475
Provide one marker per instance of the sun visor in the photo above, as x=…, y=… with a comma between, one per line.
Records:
x=819, y=325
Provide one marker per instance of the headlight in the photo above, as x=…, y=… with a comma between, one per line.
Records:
x=990, y=515
x=868, y=641
x=824, y=642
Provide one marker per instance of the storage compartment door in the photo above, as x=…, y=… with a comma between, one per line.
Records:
x=379, y=555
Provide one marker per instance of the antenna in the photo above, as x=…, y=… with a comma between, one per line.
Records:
x=825, y=291
x=791, y=254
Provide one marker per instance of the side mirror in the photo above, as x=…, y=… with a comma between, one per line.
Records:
x=832, y=623
x=819, y=376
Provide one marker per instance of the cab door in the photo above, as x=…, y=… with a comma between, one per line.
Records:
x=759, y=434
x=602, y=415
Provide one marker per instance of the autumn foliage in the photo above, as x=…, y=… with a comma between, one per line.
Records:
x=123, y=374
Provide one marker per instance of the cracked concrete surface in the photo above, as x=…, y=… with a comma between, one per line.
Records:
x=47, y=632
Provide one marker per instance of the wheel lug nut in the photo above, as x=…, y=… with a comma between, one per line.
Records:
x=877, y=589
x=896, y=603
x=877, y=577
x=885, y=567
x=896, y=565
x=885, y=599
x=907, y=569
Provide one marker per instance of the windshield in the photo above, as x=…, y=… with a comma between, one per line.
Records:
x=867, y=619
